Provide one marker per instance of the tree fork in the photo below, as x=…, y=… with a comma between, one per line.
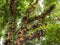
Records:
x=21, y=38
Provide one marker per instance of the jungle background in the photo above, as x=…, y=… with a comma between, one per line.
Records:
x=29, y=22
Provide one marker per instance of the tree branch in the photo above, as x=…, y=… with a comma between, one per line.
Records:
x=29, y=9
x=21, y=37
x=42, y=16
x=12, y=7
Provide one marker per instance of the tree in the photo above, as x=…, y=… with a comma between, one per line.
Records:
x=32, y=26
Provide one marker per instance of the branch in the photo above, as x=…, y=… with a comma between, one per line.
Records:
x=12, y=7
x=42, y=16
x=29, y=9
x=21, y=37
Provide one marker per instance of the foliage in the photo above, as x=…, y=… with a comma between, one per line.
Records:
x=52, y=35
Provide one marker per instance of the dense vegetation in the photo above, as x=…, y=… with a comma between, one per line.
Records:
x=30, y=22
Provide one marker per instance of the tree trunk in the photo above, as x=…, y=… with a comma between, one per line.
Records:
x=12, y=23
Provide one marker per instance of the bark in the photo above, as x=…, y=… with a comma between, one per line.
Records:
x=11, y=23
x=42, y=16
x=21, y=37
x=30, y=8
